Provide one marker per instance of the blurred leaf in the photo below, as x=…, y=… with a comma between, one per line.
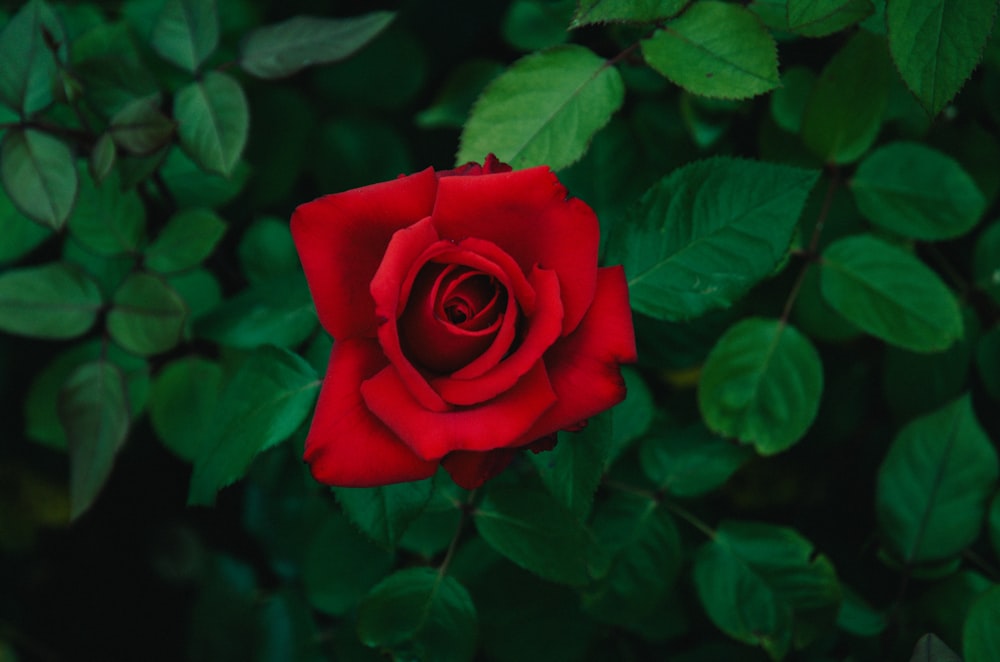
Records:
x=993, y=524
x=107, y=271
x=931, y=649
x=279, y=50
x=340, y=567
x=53, y=300
x=433, y=530
x=980, y=636
x=189, y=237
x=102, y=158
x=193, y=187
x=39, y=175
x=222, y=618
x=383, y=513
x=186, y=32
x=986, y=261
x=858, y=617
x=277, y=312
x=279, y=157
x=266, y=250
x=818, y=18
x=844, y=112
x=644, y=548
x=545, y=109
x=285, y=630
x=590, y=12
x=531, y=25
x=106, y=219
x=147, y=316
x=766, y=585
x=265, y=402
x=536, y=532
x=140, y=127
x=108, y=65
x=573, y=469
x=41, y=401
x=213, y=120
x=27, y=66
x=201, y=292
x=935, y=484
x=761, y=384
x=704, y=235
x=917, y=192
x=455, y=98
x=20, y=236
x=183, y=403
x=815, y=317
x=988, y=361
x=630, y=419
x=420, y=614
x=94, y=412
x=691, y=461
x=936, y=44
x=376, y=150
x=788, y=102
x=890, y=294
x=715, y=49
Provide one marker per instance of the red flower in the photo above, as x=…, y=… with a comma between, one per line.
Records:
x=470, y=320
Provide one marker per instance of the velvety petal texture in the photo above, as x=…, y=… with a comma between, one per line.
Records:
x=470, y=319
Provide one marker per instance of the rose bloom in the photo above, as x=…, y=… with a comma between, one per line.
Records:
x=470, y=320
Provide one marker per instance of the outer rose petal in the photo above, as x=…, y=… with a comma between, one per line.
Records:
x=432, y=435
x=470, y=470
x=341, y=239
x=527, y=213
x=584, y=368
x=347, y=445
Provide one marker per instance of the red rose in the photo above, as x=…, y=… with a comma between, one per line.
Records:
x=469, y=317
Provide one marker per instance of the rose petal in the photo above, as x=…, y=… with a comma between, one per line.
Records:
x=470, y=470
x=543, y=330
x=527, y=213
x=584, y=368
x=347, y=445
x=341, y=239
x=432, y=435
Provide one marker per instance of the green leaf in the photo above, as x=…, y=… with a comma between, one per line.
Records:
x=890, y=294
x=28, y=69
x=986, y=261
x=531, y=25
x=993, y=524
x=186, y=32
x=277, y=312
x=917, y=192
x=930, y=648
x=41, y=416
x=267, y=399
x=641, y=540
x=384, y=513
x=859, y=618
x=818, y=18
x=20, y=236
x=937, y=43
x=536, y=532
x=980, y=635
x=102, y=158
x=54, y=300
x=106, y=219
x=213, y=121
x=590, y=12
x=715, y=49
x=844, y=112
x=147, y=316
x=140, y=127
x=94, y=412
x=631, y=418
x=690, y=462
x=183, y=404
x=341, y=566
x=420, y=614
x=267, y=251
x=761, y=384
x=39, y=175
x=193, y=187
x=704, y=235
x=189, y=237
x=766, y=585
x=573, y=469
x=279, y=50
x=544, y=110
x=935, y=484
x=788, y=102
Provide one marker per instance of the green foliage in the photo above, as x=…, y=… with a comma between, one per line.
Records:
x=715, y=49
x=804, y=197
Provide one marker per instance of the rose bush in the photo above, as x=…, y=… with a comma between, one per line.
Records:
x=469, y=317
